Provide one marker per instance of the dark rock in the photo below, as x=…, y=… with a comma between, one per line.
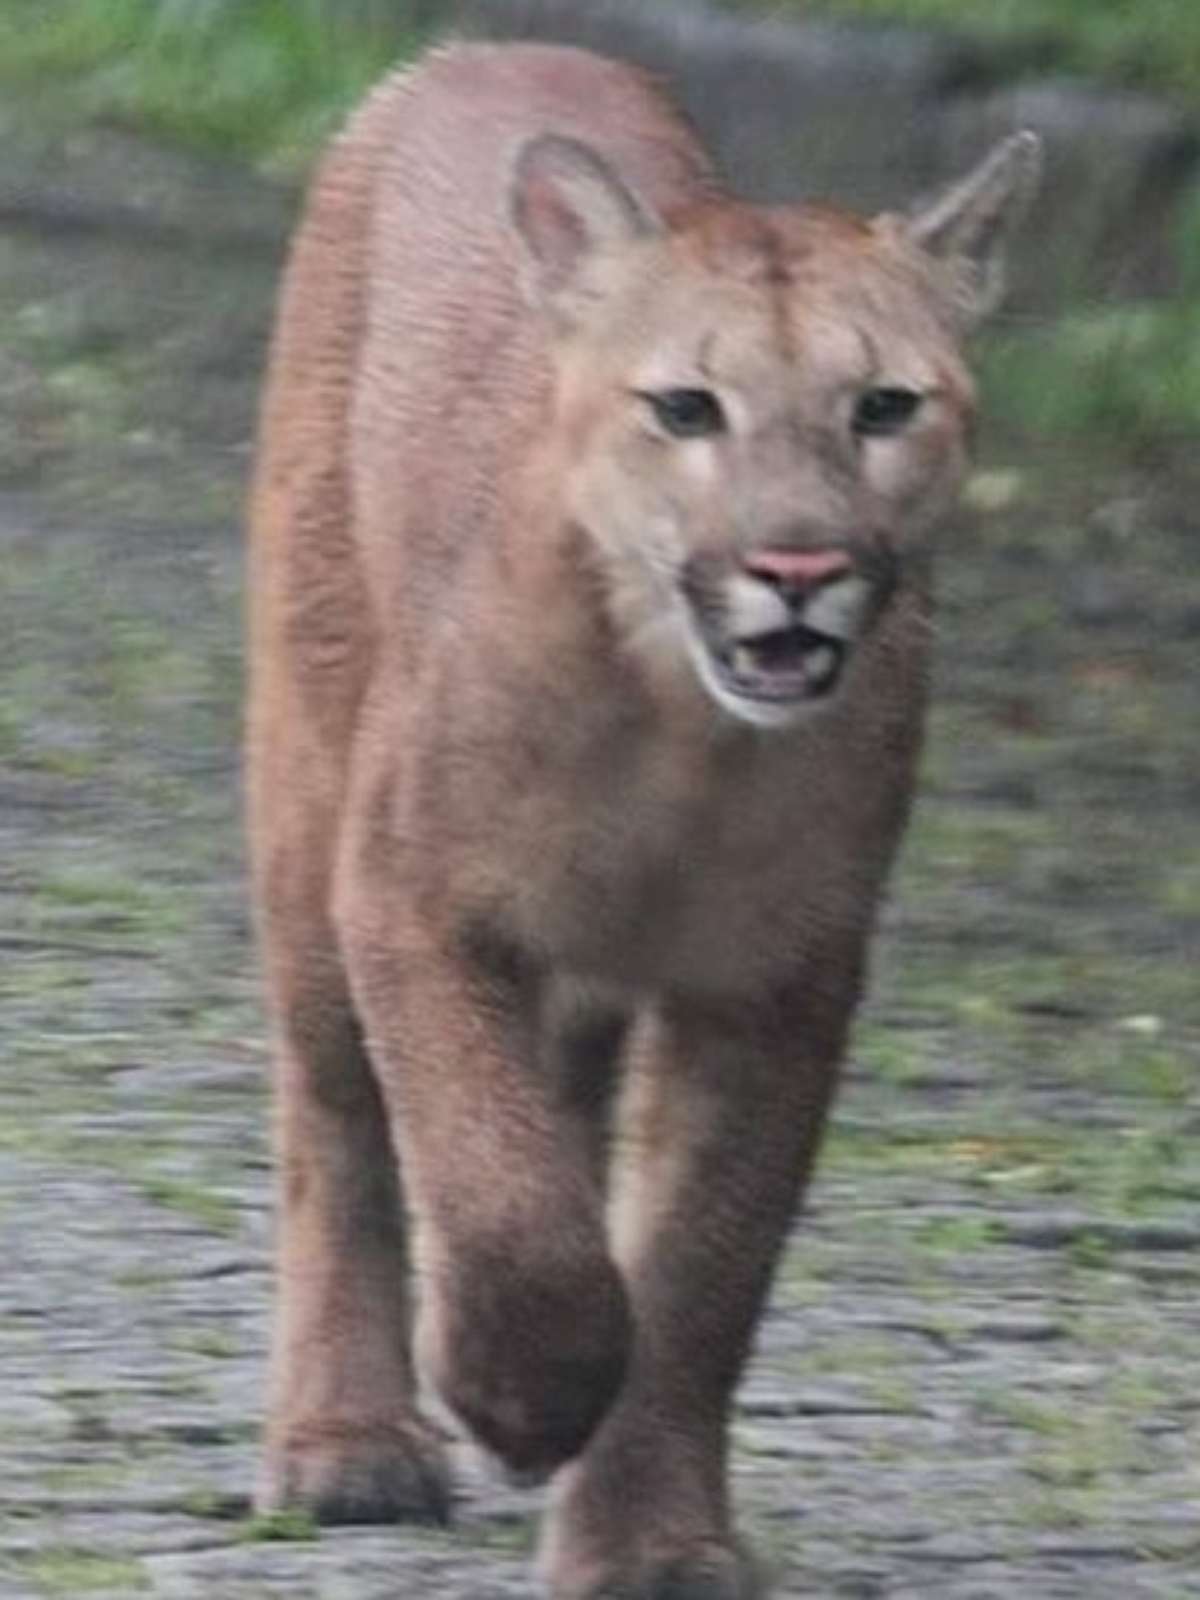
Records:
x=1118, y=165
x=813, y=109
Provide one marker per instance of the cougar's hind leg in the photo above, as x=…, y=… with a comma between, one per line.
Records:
x=344, y=1439
x=343, y=1436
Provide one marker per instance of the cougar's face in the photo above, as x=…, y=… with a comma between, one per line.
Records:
x=765, y=417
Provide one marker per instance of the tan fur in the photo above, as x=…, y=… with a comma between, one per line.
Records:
x=519, y=856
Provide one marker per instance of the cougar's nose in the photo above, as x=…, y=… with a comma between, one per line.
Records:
x=797, y=570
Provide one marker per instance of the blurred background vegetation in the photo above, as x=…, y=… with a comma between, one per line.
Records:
x=268, y=78
x=265, y=81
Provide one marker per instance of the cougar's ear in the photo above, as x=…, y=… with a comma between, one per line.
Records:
x=968, y=226
x=566, y=204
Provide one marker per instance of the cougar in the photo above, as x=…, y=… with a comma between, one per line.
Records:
x=590, y=616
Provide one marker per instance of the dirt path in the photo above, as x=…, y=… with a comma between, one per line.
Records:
x=979, y=1377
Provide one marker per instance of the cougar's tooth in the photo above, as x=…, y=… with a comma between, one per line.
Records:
x=820, y=665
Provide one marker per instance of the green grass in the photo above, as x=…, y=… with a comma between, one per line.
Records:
x=71, y=1571
x=211, y=1342
x=212, y=1211
x=263, y=78
x=1129, y=373
x=270, y=77
x=1142, y=1170
x=279, y=1527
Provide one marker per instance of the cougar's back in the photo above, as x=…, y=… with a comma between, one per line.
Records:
x=408, y=372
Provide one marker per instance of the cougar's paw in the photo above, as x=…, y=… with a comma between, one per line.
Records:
x=530, y=1365
x=712, y=1573
x=343, y=1472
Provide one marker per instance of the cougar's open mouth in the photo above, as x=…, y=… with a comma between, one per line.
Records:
x=776, y=633
x=793, y=663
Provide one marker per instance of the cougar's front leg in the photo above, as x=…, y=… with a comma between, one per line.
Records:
x=523, y=1324
x=722, y=1117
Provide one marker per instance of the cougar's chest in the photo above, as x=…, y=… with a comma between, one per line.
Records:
x=653, y=852
x=724, y=876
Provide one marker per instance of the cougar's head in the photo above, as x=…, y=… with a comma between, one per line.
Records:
x=760, y=414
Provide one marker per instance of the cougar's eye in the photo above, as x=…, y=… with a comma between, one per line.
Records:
x=880, y=412
x=686, y=413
